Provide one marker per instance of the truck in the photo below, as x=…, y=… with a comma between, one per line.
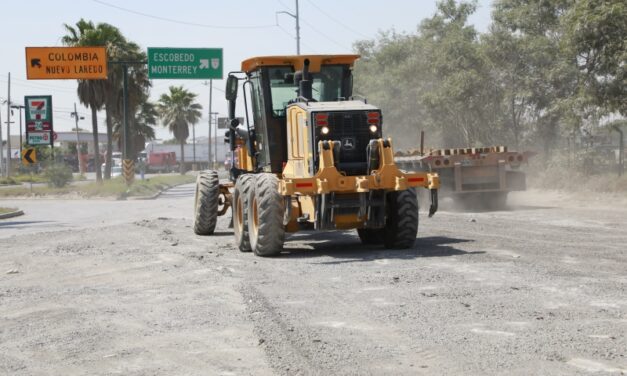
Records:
x=475, y=178
x=167, y=157
x=309, y=156
x=161, y=161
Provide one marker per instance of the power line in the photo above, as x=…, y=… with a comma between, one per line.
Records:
x=179, y=21
x=323, y=34
x=43, y=85
x=31, y=86
x=337, y=21
x=314, y=28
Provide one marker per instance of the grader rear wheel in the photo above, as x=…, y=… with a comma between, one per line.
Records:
x=206, y=202
x=241, y=195
x=265, y=220
x=401, y=225
x=370, y=236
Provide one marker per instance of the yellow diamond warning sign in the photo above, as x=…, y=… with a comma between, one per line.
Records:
x=57, y=63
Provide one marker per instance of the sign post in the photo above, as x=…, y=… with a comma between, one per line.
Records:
x=184, y=63
x=38, y=113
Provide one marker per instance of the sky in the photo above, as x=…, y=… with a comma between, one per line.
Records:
x=242, y=28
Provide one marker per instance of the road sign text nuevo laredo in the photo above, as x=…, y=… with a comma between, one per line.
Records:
x=184, y=63
x=54, y=63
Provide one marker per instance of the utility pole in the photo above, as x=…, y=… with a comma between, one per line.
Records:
x=209, y=159
x=78, y=149
x=297, y=30
x=215, y=142
x=194, y=144
x=8, y=165
x=297, y=18
x=20, y=108
x=1, y=148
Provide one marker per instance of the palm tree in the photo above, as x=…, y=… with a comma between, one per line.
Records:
x=142, y=130
x=177, y=110
x=91, y=93
x=109, y=92
x=138, y=88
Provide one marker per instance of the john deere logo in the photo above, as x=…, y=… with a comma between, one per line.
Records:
x=348, y=143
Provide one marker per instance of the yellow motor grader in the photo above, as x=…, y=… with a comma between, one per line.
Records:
x=310, y=156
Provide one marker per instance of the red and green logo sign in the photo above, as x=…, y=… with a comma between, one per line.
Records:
x=39, y=119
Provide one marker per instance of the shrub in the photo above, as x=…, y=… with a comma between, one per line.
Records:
x=58, y=175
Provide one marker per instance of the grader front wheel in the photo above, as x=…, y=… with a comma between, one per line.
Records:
x=206, y=202
x=265, y=217
x=401, y=224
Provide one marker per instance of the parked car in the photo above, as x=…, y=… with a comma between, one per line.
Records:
x=115, y=171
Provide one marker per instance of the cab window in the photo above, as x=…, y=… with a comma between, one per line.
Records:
x=330, y=84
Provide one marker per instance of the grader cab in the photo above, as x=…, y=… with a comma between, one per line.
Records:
x=310, y=156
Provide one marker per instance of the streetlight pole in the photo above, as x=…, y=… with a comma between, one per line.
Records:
x=214, y=117
x=297, y=18
x=209, y=159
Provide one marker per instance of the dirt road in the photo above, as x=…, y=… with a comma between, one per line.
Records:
x=105, y=287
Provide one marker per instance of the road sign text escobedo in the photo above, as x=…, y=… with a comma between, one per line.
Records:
x=184, y=63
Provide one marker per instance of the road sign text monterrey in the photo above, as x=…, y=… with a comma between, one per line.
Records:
x=184, y=63
x=54, y=63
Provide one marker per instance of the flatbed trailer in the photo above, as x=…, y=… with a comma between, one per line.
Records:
x=472, y=176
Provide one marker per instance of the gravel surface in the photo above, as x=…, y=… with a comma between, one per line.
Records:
x=105, y=287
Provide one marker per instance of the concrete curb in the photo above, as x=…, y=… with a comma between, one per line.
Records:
x=152, y=197
x=133, y=198
x=16, y=213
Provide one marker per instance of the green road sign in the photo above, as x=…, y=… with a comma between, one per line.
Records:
x=184, y=63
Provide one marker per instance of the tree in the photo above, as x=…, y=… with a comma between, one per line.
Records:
x=91, y=93
x=124, y=51
x=596, y=33
x=144, y=118
x=138, y=92
x=550, y=78
x=178, y=110
x=118, y=49
x=435, y=80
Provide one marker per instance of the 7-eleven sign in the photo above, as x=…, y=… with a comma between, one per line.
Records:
x=38, y=108
x=38, y=119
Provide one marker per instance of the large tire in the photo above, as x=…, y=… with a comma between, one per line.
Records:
x=401, y=225
x=241, y=196
x=206, y=202
x=370, y=236
x=265, y=219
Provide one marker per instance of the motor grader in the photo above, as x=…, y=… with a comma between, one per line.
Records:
x=310, y=156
